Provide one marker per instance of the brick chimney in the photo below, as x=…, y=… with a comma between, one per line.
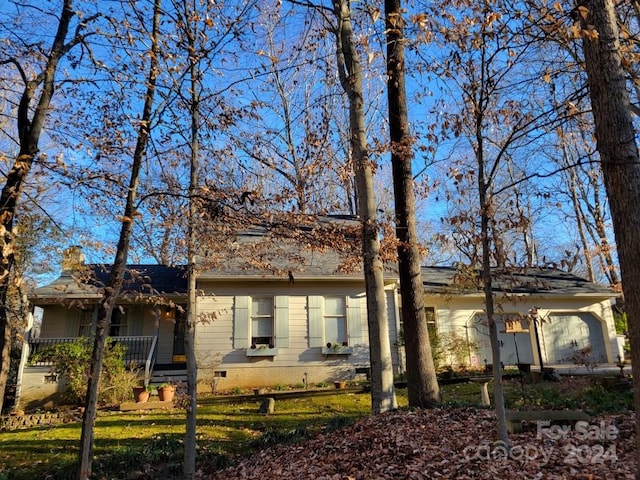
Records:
x=72, y=260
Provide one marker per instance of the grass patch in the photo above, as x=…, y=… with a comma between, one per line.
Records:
x=140, y=445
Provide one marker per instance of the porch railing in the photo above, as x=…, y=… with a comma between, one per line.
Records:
x=139, y=351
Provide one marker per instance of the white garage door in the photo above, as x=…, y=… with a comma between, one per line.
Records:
x=568, y=333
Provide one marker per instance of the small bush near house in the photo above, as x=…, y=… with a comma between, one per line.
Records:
x=72, y=362
x=453, y=349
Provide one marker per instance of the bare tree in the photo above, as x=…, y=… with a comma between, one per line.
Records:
x=37, y=93
x=350, y=71
x=500, y=116
x=114, y=284
x=291, y=146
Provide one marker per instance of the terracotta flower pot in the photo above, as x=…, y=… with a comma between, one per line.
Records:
x=140, y=394
x=340, y=384
x=166, y=393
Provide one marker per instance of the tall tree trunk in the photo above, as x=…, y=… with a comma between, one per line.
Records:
x=485, y=178
x=616, y=143
x=116, y=277
x=485, y=218
x=29, y=131
x=191, y=33
x=382, y=390
x=608, y=264
x=575, y=202
x=423, y=389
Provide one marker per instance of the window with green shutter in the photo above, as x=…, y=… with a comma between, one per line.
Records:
x=334, y=320
x=261, y=322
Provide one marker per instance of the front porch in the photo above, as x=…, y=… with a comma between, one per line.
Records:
x=140, y=352
x=38, y=380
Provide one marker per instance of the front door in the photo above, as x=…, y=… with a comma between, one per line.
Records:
x=178, y=337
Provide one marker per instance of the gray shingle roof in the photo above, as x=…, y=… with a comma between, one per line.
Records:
x=543, y=281
x=139, y=279
x=328, y=248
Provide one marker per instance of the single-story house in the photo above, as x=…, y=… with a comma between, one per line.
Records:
x=290, y=315
x=269, y=312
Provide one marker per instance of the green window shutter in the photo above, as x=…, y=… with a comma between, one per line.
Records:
x=241, y=322
x=354, y=320
x=315, y=321
x=72, y=328
x=281, y=303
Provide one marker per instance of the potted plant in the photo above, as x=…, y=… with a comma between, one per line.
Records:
x=166, y=392
x=141, y=394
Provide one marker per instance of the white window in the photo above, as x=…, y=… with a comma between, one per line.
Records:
x=261, y=321
x=262, y=327
x=335, y=320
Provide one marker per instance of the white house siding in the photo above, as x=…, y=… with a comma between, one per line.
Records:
x=460, y=314
x=60, y=322
x=215, y=348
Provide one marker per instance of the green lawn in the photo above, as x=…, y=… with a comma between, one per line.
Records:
x=125, y=441
x=136, y=444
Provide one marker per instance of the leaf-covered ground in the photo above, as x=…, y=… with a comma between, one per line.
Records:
x=452, y=443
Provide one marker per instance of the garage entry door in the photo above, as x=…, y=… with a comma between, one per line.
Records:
x=567, y=333
x=514, y=347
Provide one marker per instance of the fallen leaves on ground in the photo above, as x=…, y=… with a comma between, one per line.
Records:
x=451, y=443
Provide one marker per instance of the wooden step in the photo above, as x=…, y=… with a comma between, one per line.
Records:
x=158, y=377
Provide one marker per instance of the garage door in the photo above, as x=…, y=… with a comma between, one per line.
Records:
x=568, y=333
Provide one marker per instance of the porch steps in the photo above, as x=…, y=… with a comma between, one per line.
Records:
x=177, y=376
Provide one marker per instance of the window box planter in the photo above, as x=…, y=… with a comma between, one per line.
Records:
x=337, y=349
x=262, y=352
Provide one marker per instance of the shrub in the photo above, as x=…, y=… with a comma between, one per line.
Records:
x=72, y=361
x=451, y=348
